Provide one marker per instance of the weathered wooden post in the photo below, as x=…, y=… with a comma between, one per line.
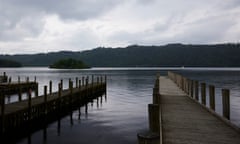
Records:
x=61, y=83
x=27, y=79
x=212, y=97
x=35, y=79
x=69, y=83
x=153, y=115
x=87, y=81
x=45, y=99
x=192, y=88
x=203, y=93
x=20, y=93
x=59, y=95
x=50, y=87
x=105, y=79
x=76, y=82
x=2, y=97
x=226, y=103
x=18, y=79
x=196, y=90
x=29, y=105
x=71, y=94
x=10, y=80
x=36, y=90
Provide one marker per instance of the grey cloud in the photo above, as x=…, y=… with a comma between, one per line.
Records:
x=15, y=14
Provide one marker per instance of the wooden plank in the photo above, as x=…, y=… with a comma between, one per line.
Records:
x=185, y=121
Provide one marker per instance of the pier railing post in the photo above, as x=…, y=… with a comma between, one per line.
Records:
x=192, y=88
x=29, y=105
x=50, y=87
x=20, y=93
x=76, y=82
x=226, y=103
x=196, y=90
x=45, y=99
x=2, y=97
x=203, y=93
x=61, y=83
x=36, y=90
x=59, y=95
x=212, y=97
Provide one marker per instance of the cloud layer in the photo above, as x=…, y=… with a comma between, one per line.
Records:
x=32, y=26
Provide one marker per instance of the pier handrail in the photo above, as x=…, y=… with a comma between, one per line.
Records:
x=191, y=88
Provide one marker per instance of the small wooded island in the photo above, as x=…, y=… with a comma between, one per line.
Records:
x=69, y=64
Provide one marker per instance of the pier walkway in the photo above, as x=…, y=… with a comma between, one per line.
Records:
x=185, y=121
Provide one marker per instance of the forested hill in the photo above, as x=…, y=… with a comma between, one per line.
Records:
x=221, y=55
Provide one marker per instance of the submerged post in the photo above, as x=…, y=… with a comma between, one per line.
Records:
x=226, y=103
x=203, y=93
x=212, y=97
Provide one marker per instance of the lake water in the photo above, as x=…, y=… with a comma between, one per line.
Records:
x=123, y=113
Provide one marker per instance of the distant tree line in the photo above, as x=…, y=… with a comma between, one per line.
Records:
x=9, y=63
x=219, y=55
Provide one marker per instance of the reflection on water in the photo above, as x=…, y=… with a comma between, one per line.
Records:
x=118, y=117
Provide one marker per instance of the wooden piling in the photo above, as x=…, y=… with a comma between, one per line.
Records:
x=226, y=103
x=203, y=93
x=50, y=87
x=76, y=82
x=36, y=90
x=29, y=105
x=153, y=116
x=196, y=90
x=192, y=88
x=20, y=93
x=61, y=83
x=212, y=97
x=35, y=79
x=19, y=79
x=45, y=99
x=2, y=97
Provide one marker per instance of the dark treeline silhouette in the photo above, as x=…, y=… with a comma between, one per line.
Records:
x=219, y=55
x=9, y=63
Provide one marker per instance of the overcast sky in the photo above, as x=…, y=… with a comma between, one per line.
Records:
x=33, y=26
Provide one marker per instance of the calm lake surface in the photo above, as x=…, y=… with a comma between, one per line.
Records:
x=123, y=113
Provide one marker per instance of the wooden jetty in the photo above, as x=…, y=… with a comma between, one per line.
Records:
x=50, y=106
x=3, y=78
x=182, y=116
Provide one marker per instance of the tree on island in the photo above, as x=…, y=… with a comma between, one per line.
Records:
x=69, y=64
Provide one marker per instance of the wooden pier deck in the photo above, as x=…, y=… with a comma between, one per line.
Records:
x=185, y=121
x=38, y=110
